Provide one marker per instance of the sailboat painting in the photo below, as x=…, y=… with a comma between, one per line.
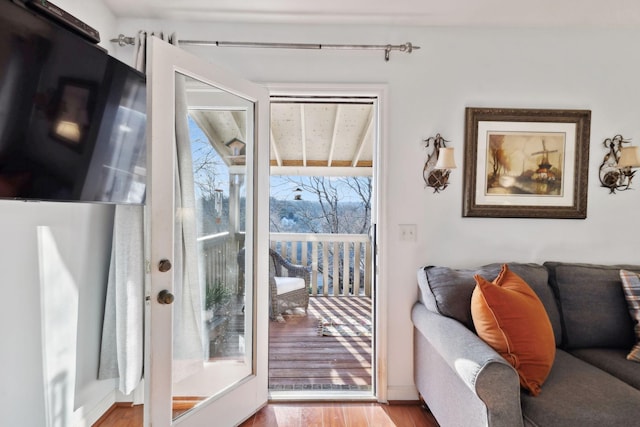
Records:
x=525, y=163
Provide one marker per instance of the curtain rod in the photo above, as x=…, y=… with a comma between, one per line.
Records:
x=123, y=40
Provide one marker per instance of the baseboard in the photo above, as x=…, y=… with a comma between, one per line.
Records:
x=405, y=402
x=84, y=417
x=402, y=393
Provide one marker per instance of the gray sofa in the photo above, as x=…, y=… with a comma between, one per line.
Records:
x=465, y=383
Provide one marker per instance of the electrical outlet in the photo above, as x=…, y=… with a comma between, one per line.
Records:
x=408, y=232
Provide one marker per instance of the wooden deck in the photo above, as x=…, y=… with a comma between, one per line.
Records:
x=301, y=358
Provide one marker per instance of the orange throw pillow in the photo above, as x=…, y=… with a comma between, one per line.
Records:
x=509, y=316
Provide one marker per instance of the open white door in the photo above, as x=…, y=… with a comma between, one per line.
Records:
x=221, y=228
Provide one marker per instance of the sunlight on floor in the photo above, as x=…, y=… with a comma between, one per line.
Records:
x=341, y=414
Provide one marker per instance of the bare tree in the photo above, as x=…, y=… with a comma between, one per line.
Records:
x=331, y=210
x=337, y=206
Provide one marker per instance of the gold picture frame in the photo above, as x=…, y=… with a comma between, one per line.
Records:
x=526, y=163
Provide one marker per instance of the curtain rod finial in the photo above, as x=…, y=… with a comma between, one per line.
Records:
x=123, y=40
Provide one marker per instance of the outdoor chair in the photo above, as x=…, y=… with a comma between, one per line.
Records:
x=288, y=285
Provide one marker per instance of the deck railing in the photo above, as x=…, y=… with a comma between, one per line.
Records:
x=220, y=263
x=340, y=263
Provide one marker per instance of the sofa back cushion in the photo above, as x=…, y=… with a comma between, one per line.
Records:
x=592, y=304
x=448, y=291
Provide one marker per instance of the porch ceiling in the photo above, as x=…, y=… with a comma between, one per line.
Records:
x=321, y=134
x=307, y=138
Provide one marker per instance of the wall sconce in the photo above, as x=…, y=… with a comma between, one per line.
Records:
x=439, y=164
x=616, y=169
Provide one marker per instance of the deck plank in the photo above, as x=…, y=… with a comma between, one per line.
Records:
x=299, y=355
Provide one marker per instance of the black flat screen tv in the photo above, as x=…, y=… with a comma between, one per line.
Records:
x=72, y=118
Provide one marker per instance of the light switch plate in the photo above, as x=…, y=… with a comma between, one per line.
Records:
x=408, y=232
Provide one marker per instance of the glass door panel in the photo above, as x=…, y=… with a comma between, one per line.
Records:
x=213, y=342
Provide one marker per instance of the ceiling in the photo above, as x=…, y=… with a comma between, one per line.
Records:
x=541, y=13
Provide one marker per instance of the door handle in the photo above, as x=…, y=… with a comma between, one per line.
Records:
x=165, y=297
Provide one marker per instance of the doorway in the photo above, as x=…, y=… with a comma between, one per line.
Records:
x=322, y=218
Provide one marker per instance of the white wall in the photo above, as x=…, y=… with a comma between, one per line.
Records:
x=428, y=92
x=95, y=14
x=60, y=250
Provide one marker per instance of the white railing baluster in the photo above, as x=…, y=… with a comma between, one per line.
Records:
x=346, y=254
x=314, y=268
x=325, y=269
x=335, y=274
x=303, y=254
x=356, y=267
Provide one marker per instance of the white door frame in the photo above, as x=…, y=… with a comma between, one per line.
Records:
x=378, y=91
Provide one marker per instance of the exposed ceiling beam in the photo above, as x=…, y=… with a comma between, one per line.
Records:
x=321, y=171
x=274, y=148
x=365, y=136
x=240, y=120
x=332, y=144
x=323, y=163
x=303, y=135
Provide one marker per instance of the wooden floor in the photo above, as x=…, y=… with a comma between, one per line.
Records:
x=300, y=358
x=341, y=415
x=306, y=415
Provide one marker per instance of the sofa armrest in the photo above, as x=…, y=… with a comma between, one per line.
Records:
x=493, y=383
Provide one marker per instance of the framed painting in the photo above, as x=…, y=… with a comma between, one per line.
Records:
x=523, y=163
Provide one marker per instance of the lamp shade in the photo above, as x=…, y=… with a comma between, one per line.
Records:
x=629, y=157
x=445, y=159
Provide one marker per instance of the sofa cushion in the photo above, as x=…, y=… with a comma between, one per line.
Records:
x=631, y=288
x=448, y=291
x=577, y=394
x=508, y=315
x=613, y=361
x=594, y=311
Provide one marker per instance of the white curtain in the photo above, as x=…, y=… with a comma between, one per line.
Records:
x=188, y=337
x=122, y=352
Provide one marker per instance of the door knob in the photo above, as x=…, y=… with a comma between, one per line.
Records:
x=165, y=297
x=164, y=265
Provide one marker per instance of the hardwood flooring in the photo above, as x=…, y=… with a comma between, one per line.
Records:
x=302, y=359
x=340, y=415
x=122, y=415
x=305, y=415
